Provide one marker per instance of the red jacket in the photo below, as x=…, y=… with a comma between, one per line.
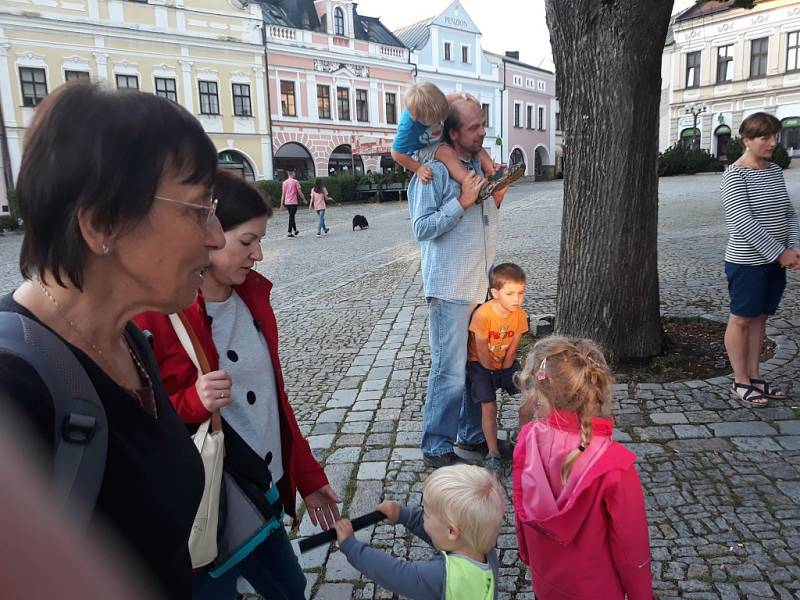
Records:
x=587, y=539
x=301, y=470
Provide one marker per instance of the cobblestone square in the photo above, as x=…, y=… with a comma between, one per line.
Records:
x=721, y=479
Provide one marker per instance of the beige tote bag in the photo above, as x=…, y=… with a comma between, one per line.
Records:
x=211, y=445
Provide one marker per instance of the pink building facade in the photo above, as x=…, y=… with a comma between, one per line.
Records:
x=529, y=115
x=336, y=82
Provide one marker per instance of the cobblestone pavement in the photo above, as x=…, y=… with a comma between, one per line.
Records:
x=722, y=480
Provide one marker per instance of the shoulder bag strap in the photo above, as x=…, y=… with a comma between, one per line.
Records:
x=190, y=343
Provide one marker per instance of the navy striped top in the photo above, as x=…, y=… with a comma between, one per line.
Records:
x=761, y=220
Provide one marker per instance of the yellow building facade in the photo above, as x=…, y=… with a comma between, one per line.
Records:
x=206, y=55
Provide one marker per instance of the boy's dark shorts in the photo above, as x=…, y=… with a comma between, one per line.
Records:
x=482, y=383
x=755, y=289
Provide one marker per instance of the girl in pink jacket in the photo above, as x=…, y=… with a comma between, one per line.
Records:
x=580, y=514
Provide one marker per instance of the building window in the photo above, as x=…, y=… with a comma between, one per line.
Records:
x=758, y=57
x=73, y=75
x=485, y=108
x=793, y=51
x=725, y=63
x=541, y=118
x=362, y=108
x=541, y=86
x=129, y=82
x=338, y=22
x=447, y=51
x=529, y=120
x=34, y=85
x=241, y=100
x=464, y=54
x=517, y=117
x=209, y=98
x=287, y=99
x=518, y=80
x=166, y=89
x=391, y=109
x=693, y=69
x=343, y=103
x=324, y=101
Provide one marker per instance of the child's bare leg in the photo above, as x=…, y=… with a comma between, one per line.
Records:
x=447, y=156
x=487, y=164
x=489, y=425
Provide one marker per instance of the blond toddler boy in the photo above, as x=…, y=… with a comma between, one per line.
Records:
x=461, y=515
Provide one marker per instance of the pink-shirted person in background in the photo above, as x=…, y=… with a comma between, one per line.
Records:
x=580, y=514
x=290, y=190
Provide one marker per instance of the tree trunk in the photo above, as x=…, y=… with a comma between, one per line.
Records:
x=608, y=65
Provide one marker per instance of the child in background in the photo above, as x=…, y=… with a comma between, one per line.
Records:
x=461, y=514
x=318, y=196
x=580, y=515
x=495, y=331
x=420, y=132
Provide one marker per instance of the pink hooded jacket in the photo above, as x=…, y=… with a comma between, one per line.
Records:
x=589, y=538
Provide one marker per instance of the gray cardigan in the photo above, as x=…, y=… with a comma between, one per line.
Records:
x=419, y=579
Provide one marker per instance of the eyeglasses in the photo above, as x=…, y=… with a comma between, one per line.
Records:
x=211, y=210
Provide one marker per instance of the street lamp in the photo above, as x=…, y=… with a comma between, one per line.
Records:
x=695, y=111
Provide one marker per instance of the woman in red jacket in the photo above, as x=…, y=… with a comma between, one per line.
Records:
x=266, y=457
x=580, y=515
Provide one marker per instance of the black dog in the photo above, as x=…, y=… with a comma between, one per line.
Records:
x=361, y=222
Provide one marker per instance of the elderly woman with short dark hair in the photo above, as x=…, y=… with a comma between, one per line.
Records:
x=763, y=240
x=116, y=195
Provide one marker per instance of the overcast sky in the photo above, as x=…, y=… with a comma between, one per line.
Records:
x=505, y=24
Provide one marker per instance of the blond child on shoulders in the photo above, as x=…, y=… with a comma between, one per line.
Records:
x=461, y=515
x=420, y=133
x=495, y=331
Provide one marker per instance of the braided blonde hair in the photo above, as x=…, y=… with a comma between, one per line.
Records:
x=568, y=374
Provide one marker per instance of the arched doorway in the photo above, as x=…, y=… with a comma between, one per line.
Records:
x=388, y=165
x=790, y=135
x=540, y=161
x=722, y=137
x=293, y=156
x=236, y=162
x=690, y=138
x=516, y=158
x=342, y=162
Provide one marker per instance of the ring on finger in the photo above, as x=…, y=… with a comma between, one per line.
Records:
x=221, y=395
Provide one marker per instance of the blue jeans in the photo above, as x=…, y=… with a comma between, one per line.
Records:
x=321, y=224
x=272, y=569
x=448, y=411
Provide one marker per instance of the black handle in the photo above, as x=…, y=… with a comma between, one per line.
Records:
x=320, y=539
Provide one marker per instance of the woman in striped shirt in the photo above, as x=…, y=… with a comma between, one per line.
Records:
x=763, y=240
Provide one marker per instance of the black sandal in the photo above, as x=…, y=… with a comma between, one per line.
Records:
x=767, y=390
x=751, y=395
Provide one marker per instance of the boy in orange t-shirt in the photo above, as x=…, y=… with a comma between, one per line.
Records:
x=495, y=331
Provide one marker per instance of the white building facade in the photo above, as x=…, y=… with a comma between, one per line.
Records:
x=447, y=52
x=725, y=64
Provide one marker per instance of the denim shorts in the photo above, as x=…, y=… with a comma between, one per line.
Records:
x=755, y=289
x=482, y=383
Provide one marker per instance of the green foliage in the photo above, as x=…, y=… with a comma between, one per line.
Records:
x=271, y=190
x=13, y=204
x=735, y=149
x=781, y=157
x=679, y=160
x=8, y=223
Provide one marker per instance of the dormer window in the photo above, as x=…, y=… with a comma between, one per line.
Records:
x=338, y=21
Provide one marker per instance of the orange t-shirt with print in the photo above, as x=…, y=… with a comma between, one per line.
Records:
x=500, y=332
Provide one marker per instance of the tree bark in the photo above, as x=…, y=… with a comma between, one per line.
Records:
x=608, y=64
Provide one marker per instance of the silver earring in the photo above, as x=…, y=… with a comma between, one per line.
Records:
x=105, y=250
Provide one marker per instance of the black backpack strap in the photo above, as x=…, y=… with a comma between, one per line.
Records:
x=81, y=428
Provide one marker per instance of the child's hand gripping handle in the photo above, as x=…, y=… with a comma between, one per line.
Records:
x=325, y=537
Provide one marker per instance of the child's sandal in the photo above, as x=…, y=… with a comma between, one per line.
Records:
x=751, y=394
